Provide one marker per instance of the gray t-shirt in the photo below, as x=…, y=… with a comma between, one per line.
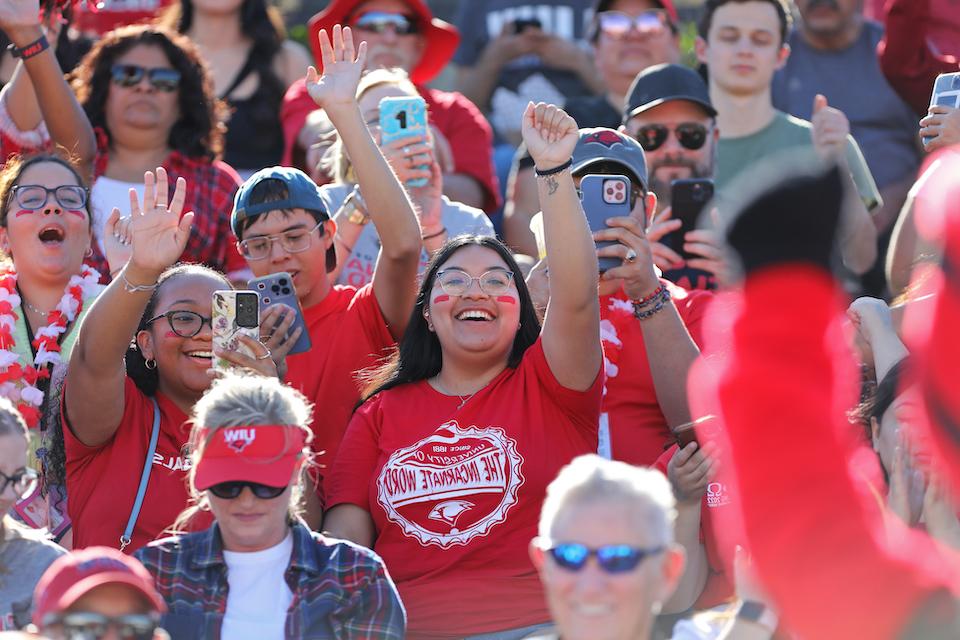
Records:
x=23, y=559
x=881, y=123
x=458, y=218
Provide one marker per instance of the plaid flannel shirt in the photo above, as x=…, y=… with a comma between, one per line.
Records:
x=340, y=590
x=211, y=186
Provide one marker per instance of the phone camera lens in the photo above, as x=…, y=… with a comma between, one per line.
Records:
x=283, y=282
x=286, y=291
x=275, y=289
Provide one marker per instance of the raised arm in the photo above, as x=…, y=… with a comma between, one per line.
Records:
x=395, y=277
x=38, y=91
x=571, y=326
x=95, y=378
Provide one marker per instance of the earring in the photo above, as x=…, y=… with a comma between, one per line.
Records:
x=150, y=364
x=88, y=253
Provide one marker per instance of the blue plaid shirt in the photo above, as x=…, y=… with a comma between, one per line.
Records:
x=340, y=590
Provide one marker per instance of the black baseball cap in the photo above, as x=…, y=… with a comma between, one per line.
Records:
x=665, y=82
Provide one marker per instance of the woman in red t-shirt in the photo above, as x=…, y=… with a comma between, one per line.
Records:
x=109, y=405
x=443, y=469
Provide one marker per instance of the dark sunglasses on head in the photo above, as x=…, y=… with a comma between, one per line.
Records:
x=618, y=24
x=130, y=75
x=82, y=625
x=690, y=135
x=380, y=21
x=613, y=558
x=232, y=490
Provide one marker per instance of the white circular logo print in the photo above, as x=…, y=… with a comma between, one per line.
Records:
x=453, y=485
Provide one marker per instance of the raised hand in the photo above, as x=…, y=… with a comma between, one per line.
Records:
x=550, y=134
x=830, y=130
x=337, y=87
x=116, y=241
x=16, y=14
x=158, y=232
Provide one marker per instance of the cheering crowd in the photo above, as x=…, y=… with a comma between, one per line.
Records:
x=647, y=331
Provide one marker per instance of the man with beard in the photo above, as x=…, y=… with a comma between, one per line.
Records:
x=668, y=111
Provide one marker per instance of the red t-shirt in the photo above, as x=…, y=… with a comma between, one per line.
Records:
x=102, y=481
x=458, y=119
x=347, y=333
x=632, y=427
x=455, y=491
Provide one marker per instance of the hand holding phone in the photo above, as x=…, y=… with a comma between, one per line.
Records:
x=236, y=314
x=946, y=93
x=688, y=198
x=522, y=24
x=277, y=289
x=404, y=117
x=603, y=197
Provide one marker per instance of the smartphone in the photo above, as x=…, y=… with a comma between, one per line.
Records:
x=688, y=198
x=602, y=197
x=687, y=432
x=685, y=436
x=946, y=93
x=404, y=117
x=277, y=288
x=235, y=313
x=522, y=24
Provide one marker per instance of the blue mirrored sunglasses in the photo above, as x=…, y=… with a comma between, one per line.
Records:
x=614, y=558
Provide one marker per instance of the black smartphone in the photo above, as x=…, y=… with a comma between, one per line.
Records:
x=522, y=24
x=688, y=198
x=602, y=197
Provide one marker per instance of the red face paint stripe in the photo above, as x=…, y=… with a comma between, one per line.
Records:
x=78, y=213
x=441, y=298
x=24, y=212
x=170, y=334
x=507, y=299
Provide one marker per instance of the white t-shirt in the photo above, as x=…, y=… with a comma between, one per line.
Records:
x=258, y=598
x=106, y=194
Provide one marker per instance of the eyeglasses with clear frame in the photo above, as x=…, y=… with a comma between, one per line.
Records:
x=456, y=282
x=292, y=241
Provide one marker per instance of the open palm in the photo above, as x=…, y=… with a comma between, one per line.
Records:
x=19, y=13
x=158, y=232
x=549, y=133
x=342, y=67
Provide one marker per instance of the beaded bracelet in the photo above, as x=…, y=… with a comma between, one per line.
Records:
x=642, y=302
x=661, y=302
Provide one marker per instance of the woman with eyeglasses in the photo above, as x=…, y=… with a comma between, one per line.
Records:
x=24, y=553
x=443, y=468
x=150, y=99
x=140, y=363
x=263, y=572
x=251, y=65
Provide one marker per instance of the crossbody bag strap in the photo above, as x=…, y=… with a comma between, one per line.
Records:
x=144, y=477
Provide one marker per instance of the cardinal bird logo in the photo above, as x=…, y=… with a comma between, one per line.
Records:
x=607, y=138
x=450, y=511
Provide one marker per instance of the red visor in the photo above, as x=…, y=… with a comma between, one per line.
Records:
x=266, y=454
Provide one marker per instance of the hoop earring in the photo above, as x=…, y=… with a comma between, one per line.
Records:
x=88, y=253
x=150, y=364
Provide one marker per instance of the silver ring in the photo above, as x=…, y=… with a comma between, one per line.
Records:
x=266, y=355
x=631, y=256
x=406, y=150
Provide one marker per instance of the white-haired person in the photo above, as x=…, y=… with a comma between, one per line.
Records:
x=261, y=572
x=607, y=556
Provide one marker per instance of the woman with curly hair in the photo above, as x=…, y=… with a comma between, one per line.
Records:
x=252, y=64
x=150, y=101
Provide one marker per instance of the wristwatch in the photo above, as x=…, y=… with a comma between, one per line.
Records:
x=758, y=613
x=355, y=208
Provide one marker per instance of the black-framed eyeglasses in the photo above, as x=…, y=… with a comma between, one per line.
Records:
x=23, y=482
x=84, y=625
x=293, y=241
x=185, y=324
x=380, y=21
x=160, y=78
x=617, y=23
x=613, y=558
x=456, y=282
x=690, y=135
x=34, y=197
x=232, y=490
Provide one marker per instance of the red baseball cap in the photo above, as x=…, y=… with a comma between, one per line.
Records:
x=75, y=574
x=265, y=454
x=441, y=37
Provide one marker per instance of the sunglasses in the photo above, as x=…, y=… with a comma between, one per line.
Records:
x=455, y=282
x=690, y=135
x=185, y=324
x=380, y=21
x=617, y=24
x=34, y=197
x=81, y=625
x=232, y=490
x=130, y=75
x=23, y=482
x=613, y=558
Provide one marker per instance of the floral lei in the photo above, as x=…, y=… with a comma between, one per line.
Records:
x=18, y=383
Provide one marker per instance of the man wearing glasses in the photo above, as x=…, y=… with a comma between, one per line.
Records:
x=401, y=34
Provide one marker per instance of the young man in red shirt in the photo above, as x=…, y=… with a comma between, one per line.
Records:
x=283, y=225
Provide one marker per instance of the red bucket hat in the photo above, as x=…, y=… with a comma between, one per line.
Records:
x=265, y=454
x=441, y=37
x=75, y=574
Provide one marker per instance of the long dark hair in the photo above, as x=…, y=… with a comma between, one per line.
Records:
x=419, y=355
x=198, y=133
